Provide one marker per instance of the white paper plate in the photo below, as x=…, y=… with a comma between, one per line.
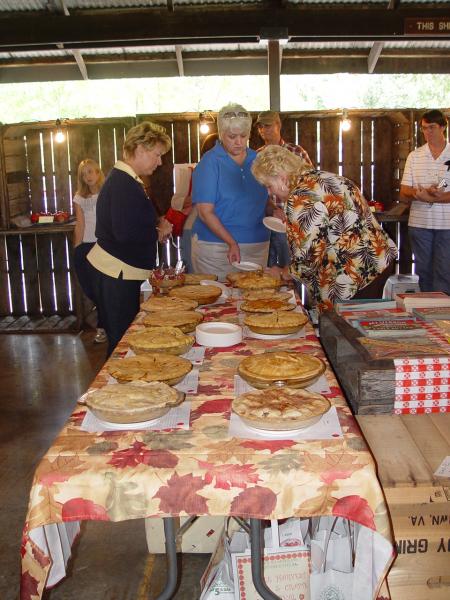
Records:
x=222, y=286
x=274, y=224
x=275, y=336
x=246, y=266
x=217, y=334
x=128, y=426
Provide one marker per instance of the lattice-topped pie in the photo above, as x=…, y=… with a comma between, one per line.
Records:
x=257, y=280
x=266, y=293
x=266, y=305
x=150, y=367
x=280, y=408
x=186, y=320
x=133, y=402
x=276, y=323
x=195, y=278
x=168, y=303
x=203, y=294
x=295, y=369
x=160, y=339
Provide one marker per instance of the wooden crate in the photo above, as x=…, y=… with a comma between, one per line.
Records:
x=369, y=385
x=408, y=449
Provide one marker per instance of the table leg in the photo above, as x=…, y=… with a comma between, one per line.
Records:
x=171, y=552
x=257, y=561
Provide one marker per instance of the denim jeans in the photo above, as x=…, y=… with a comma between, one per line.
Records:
x=431, y=248
x=278, y=250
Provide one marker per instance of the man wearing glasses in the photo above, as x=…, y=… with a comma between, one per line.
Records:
x=426, y=187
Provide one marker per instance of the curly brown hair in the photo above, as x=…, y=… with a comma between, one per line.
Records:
x=146, y=134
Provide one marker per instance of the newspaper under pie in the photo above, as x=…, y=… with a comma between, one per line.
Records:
x=266, y=293
x=168, y=303
x=186, y=320
x=149, y=367
x=295, y=369
x=160, y=339
x=255, y=280
x=133, y=402
x=195, y=278
x=266, y=305
x=203, y=294
x=276, y=323
x=280, y=408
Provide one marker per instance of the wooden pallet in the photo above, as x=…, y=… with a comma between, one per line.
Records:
x=26, y=324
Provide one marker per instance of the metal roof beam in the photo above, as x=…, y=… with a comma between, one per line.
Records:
x=179, y=56
x=207, y=25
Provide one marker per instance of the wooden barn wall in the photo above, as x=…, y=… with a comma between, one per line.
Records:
x=36, y=273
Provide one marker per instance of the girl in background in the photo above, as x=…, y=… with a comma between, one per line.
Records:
x=89, y=181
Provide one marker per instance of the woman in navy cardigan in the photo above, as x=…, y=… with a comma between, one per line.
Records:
x=126, y=230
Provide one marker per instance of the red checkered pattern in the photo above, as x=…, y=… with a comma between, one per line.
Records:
x=422, y=385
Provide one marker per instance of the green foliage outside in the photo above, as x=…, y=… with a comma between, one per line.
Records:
x=23, y=102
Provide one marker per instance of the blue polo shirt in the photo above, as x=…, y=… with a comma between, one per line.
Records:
x=239, y=200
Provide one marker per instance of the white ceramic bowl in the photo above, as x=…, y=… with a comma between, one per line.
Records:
x=218, y=334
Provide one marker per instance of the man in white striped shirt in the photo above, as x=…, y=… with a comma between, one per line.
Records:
x=426, y=187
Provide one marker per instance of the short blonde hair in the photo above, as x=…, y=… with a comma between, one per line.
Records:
x=82, y=187
x=146, y=134
x=234, y=118
x=276, y=160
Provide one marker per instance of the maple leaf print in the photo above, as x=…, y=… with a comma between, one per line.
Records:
x=272, y=445
x=218, y=405
x=28, y=587
x=180, y=495
x=256, y=502
x=138, y=453
x=355, y=508
x=228, y=476
x=78, y=509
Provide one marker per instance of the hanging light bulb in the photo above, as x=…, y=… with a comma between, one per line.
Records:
x=346, y=123
x=206, y=120
x=204, y=128
x=59, y=135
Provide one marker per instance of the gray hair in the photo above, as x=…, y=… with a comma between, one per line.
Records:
x=234, y=118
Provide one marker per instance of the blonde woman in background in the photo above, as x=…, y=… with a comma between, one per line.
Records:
x=90, y=179
x=127, y=230
x=231, y=204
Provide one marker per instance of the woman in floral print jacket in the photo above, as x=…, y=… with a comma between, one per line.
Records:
x=338, y=249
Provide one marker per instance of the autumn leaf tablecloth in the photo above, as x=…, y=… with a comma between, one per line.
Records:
x=121, y=475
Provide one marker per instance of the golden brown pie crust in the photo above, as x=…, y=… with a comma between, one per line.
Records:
x=266, y=305
x=186, y=320
x=266, y=293
x=167, y=303
x=295, y=369
x=160, y=339
x=133, y=402
x=195, y=278
x=276, y=323
x=280, y=408
x=203, y=294
x=257, y=280
x=149, y=367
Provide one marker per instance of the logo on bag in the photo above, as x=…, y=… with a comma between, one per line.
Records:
x=331, y=592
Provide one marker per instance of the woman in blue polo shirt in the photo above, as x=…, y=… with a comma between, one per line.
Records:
x=231, y=204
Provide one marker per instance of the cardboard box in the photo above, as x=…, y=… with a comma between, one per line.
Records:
x=201, y=537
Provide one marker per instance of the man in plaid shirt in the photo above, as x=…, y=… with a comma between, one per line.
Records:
x=269, y=128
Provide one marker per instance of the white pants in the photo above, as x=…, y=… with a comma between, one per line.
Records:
x=210, y=257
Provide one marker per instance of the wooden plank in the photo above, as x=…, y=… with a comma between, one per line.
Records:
x=77, y=152
x=367, y=158
x=383, y=161
x=60, y=261
x=433, y=446
x=193, y=128
x=351, y=151
x=181, y=142
x=4, y=286
x=5, y=322
x=107, y=147
x=289, y=130
x=90, y=139
x=46, y=284
x=329, y=144
x=15, y=275
x=442, y=424
x=62, y=177
x=30, y=274
x=400, y=462
x=120, y=133
x=35, y=169
x=48, y=169
x=18, y=323
x=308, y=137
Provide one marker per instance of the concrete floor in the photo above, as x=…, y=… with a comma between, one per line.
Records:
x=41, y=376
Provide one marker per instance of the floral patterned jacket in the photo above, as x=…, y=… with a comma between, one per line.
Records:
x=336, y=244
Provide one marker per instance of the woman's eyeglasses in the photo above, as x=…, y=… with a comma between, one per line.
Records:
x=233, y=114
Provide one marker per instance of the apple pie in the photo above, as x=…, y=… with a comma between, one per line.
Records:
x=256, y=280
x=203, y=294
x=168, y=303
x=186, y=320
x=276, y=323
x=280, y=408
x=160, y=339
x=266, y=293
x=295, y=369
x=266, y=305
x=195, y=278
x=133, y=402
x=149, y=367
